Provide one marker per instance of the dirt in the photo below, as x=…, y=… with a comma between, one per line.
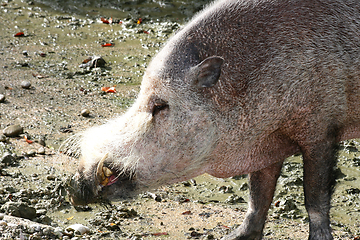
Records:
x=48, y=56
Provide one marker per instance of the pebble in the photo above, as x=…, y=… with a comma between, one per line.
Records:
x=41, y=151
x=7, y=158
x=48, y=231
x=2, y=98
x=85, y=112
x=2, y=138
x=30, y=153
x=234, y=199
x=2, y=216
x=78, y=229
x=51, y=177
x=13, y=131
x=41, y=212
x=19, y=209
x=35, y=228
x=3, y=223
x=58, y=232
x=25, y=84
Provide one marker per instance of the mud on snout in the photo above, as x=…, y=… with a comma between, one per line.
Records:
x=106, y=181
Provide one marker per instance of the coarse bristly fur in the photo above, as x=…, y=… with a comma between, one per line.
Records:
x=237, y=90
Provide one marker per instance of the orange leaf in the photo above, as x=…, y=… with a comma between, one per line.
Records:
x=27, y=140
x=87, y=60
x=139, y=21
x=107, y=45
x=104, y=20
x=187, y=213
x=160, y=234
x=108, y=89
x=70, y=218
x=19, y=34
x=226, y=227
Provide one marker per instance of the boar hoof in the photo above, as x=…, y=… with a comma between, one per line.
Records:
x=243, y=234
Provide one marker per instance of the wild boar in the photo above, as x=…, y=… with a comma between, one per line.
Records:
x=242, y=86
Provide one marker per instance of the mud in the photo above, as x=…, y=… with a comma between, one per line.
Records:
x=50, y=110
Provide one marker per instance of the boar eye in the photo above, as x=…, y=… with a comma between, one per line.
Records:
x=158, y=106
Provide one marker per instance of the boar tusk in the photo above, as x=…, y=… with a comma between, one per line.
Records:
x=99, y=171
x=107, y=172
x=103, y=173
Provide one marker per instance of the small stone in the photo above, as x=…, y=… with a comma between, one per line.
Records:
x=13, y=131
x=41, y=151
x=85, y=112
x=7, y=159
x=25, y=84
x=2, y=216
x=35, y=228
x=226, y=189
x=3, y=223
x=30, y=153
x=40, y=212
x=48, y=231
x=19, y=209
x=2, y=98
x=58, y=232
x=2, y=138
x=78, y=229
x=51, y=177
x=233, y=199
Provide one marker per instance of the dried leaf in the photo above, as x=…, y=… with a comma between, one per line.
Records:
x=104, y=20
x=109, y=89
x=160, y=234
x=27, y=140
x=187, y=213
x=19, y=34
x=107, y=45
x=226, y=227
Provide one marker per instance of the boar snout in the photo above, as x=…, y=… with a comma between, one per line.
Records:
x=81, y=192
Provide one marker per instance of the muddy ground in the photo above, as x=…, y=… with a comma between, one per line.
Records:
x=45, y=93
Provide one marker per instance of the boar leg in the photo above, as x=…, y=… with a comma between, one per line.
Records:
x=319, y=163
x=262, y=186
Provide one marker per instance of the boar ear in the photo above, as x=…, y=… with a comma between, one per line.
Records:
x=207, y=73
